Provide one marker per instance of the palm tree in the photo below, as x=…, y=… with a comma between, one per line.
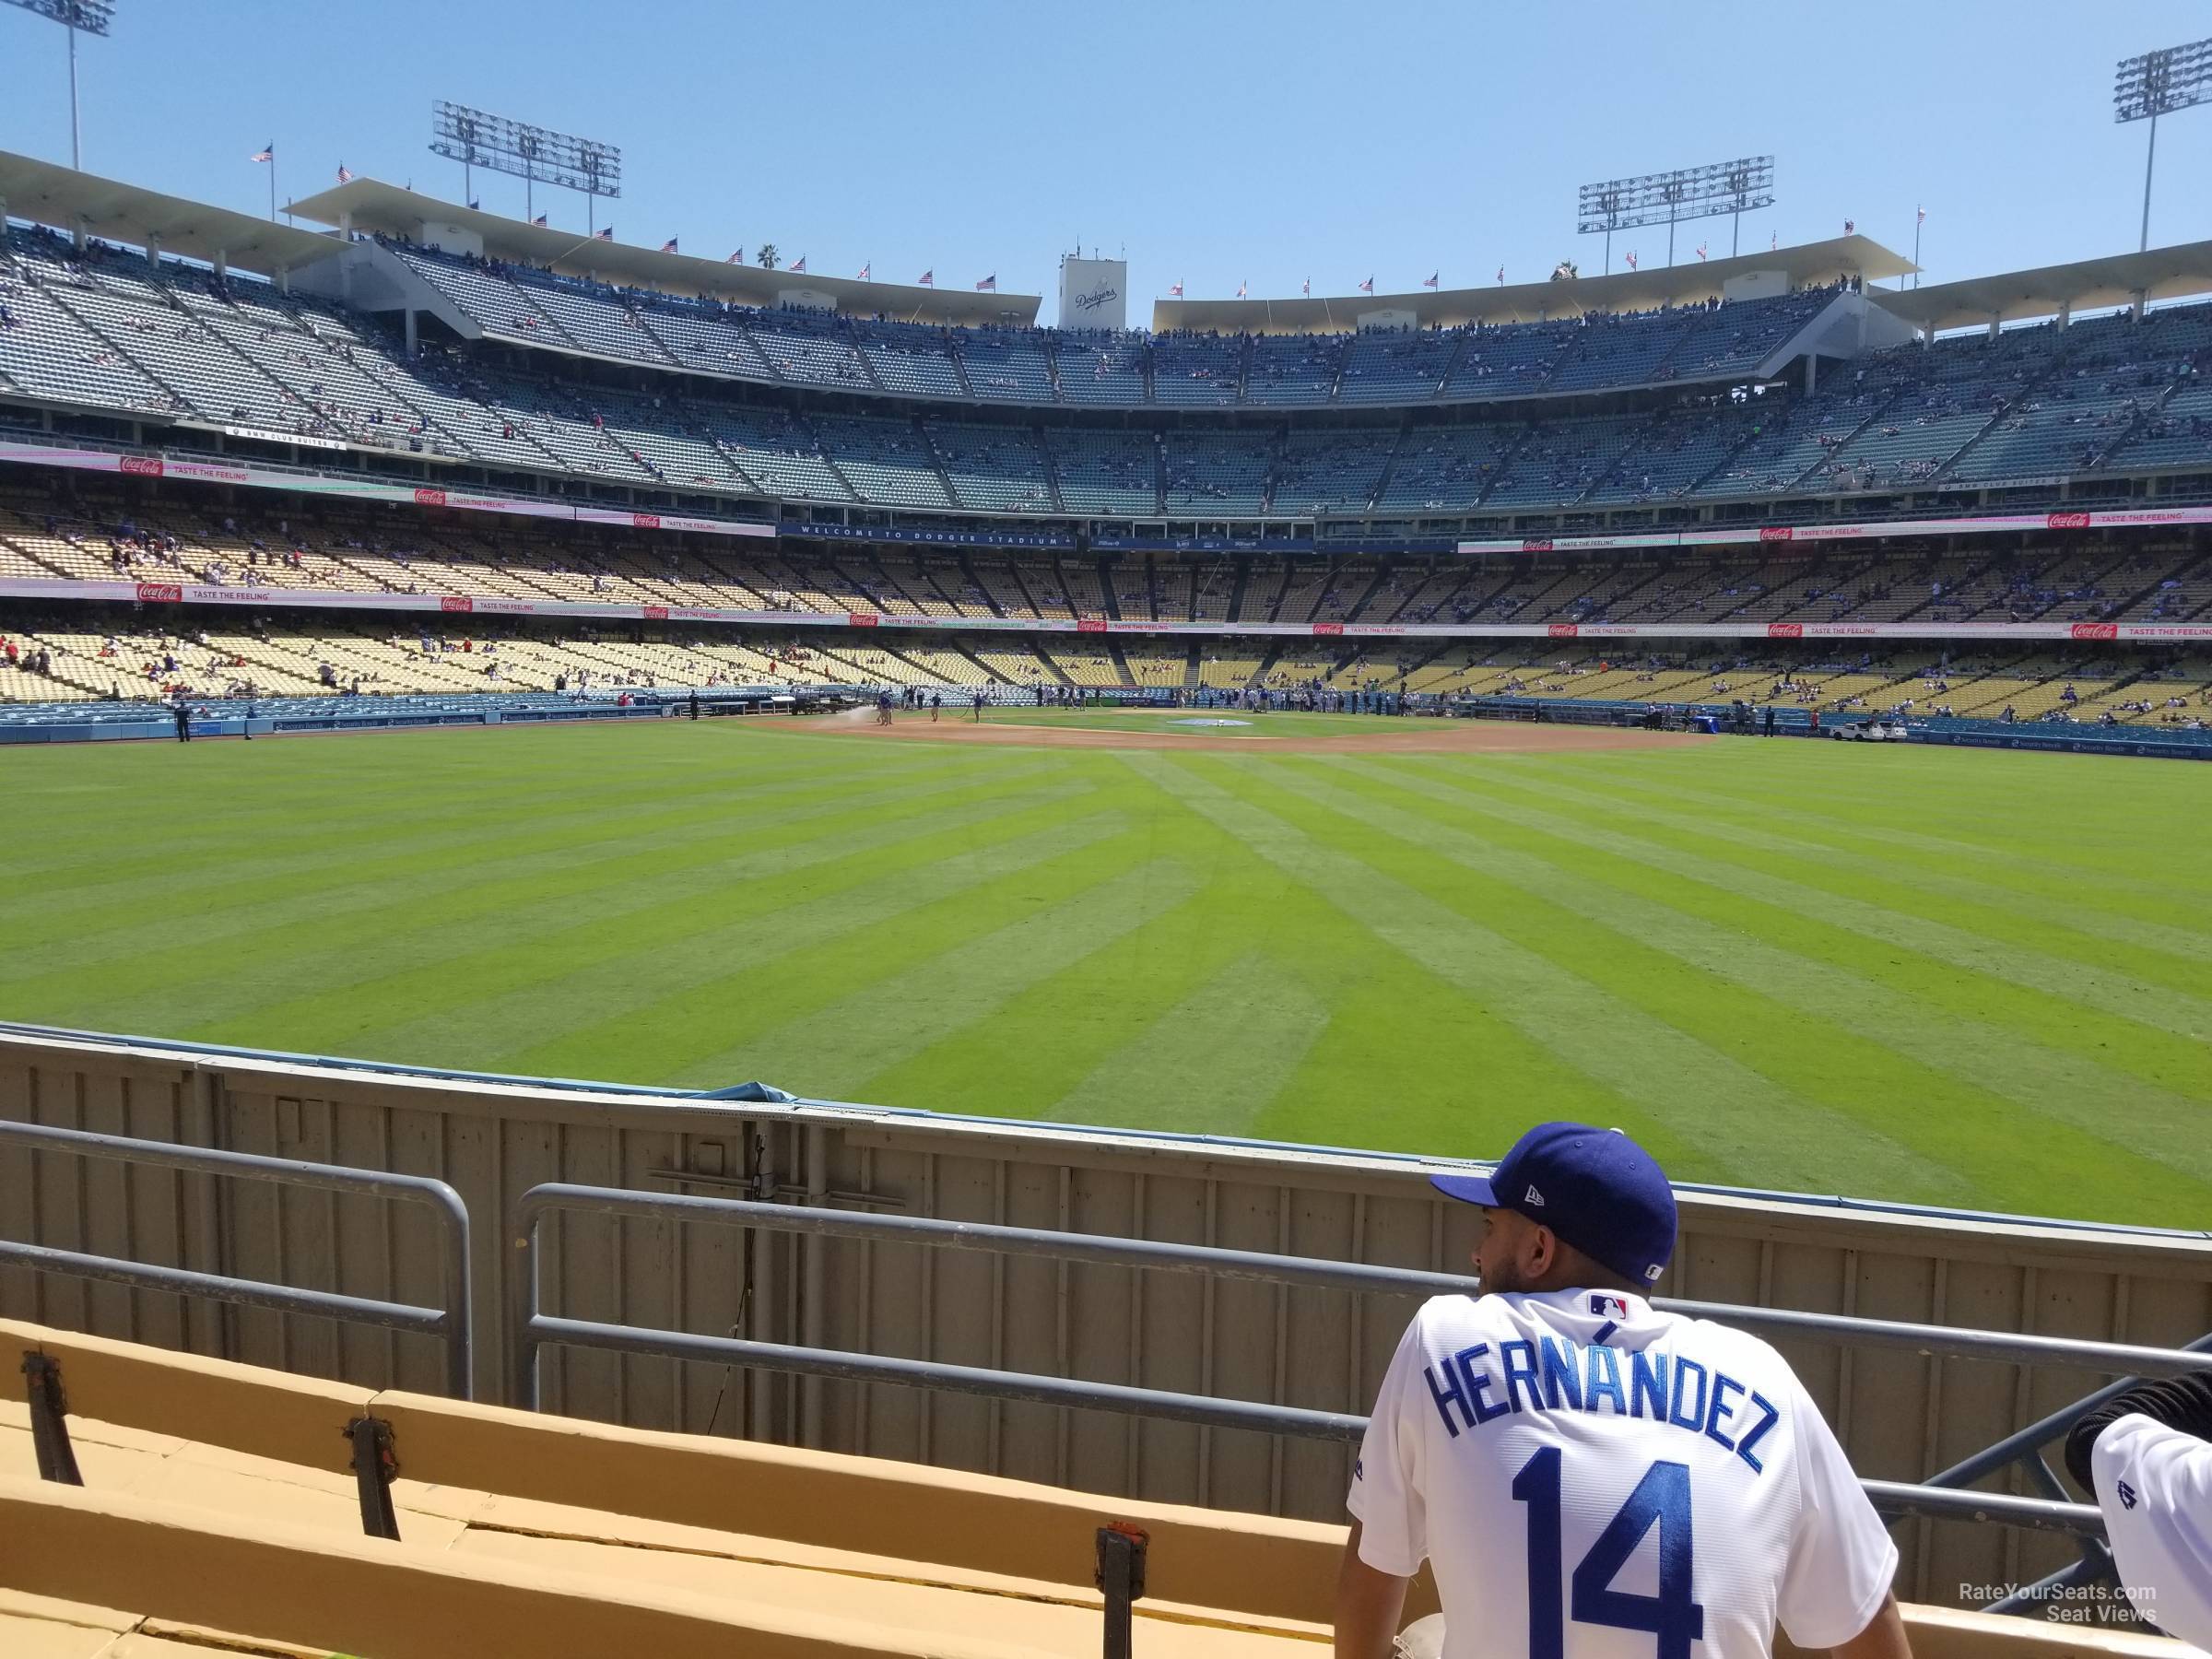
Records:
x=768, y=256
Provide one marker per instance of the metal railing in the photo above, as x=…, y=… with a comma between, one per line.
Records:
x=451, y=1324
x=1940, y=1498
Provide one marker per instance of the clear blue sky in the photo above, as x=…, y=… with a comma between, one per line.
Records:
x=1217, y=143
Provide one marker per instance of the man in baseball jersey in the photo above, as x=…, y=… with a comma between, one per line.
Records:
x=2146, y=1456
x=1589, y=1477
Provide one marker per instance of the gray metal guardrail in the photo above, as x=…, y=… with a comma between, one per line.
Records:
x=533, y=1328
x=451, y=1324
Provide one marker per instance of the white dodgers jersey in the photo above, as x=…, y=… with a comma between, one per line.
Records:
x=1594, y=1479
x=2154, y=1485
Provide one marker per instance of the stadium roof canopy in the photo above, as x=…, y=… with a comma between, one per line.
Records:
x=371, y=204
x=64, y=198
x=2083, y=285
x=1807, y=266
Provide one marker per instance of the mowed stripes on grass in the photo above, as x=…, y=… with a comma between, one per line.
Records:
x=1982, y=979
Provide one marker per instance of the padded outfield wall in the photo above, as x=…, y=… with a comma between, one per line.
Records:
x=1902, y=1416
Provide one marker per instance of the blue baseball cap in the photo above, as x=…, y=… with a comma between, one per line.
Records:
x=1595, y=1188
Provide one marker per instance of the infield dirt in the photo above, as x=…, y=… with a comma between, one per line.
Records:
x=1390, y=736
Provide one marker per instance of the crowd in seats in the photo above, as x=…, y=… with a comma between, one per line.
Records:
x=106, y=327
x=517, y=303
x=1215, y=472
x=68, y=658
x=77, y=531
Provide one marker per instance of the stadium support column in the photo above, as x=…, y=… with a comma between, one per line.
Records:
x=153, y=251
x=2150, y=160
x=410, y=328
x=222, y=264
x=77, y=146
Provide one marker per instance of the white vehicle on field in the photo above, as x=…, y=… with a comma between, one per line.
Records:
x=1881, y=729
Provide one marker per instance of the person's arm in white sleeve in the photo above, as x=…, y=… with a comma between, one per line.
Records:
x=1389, y=1520
x=2154, y=1485
x=1835, y=1590
x=2146, y=1457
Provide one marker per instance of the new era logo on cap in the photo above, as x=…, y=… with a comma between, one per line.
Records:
x=1600, y=1192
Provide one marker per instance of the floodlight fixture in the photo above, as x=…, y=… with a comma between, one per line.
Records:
x=1735, y=188
x=533, y=154
x=2158, y=83
x=78, y=17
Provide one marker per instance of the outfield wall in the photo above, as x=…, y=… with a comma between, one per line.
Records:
x=1902, y=1416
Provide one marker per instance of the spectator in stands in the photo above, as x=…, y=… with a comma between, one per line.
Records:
x=1578, y=1223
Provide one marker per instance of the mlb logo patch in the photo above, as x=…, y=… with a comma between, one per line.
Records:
x=1609, y=1307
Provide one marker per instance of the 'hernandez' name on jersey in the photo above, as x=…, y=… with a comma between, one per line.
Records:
x=1594, y=1479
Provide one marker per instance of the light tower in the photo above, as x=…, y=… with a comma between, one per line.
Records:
x=1735, y=188
x=87, y=16
x=2156, y=83
x=533, y=154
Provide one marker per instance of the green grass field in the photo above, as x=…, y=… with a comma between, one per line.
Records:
x=1978, y=979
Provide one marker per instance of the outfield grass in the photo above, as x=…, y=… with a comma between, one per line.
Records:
x=1978, y=979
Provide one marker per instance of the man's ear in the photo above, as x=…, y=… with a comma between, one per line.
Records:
x=1543, y=1251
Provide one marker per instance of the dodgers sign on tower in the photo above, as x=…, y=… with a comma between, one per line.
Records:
x=1094, y=293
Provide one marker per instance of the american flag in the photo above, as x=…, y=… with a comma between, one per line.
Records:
x=1368, y=286
x=1920, y=216
x=989, y=285
x=1700, y=250
x=864, y=271
x=1240, y=287
x=1176, y=292
x=1849, y=226
x=1501, y=275
x=539, y=221
x=268, y=152
x=604, y=233
x=1631, y=261
x=797, y=266
x=1430, y=280
x=347, y=178
x=736, y=258
x=928, y=279
x=1306, y=288
x=668, y=246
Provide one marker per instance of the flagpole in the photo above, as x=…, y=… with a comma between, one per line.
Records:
x=272, y=184
x=1917, y=218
